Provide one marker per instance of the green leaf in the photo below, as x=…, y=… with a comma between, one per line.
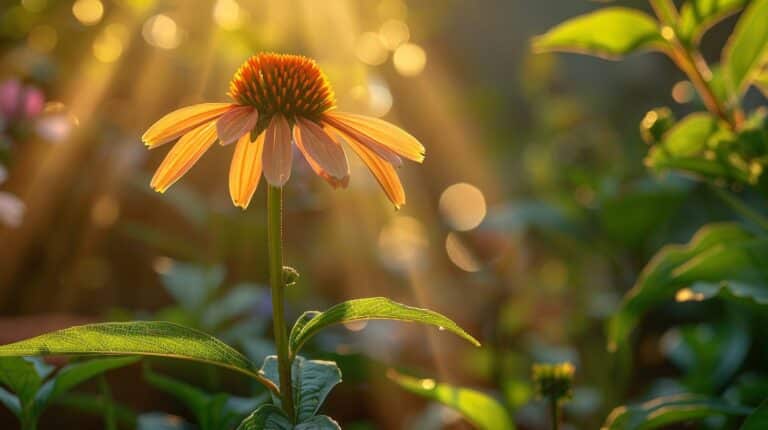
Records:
x=21, y=377
x=148, y=338
x=266, y=417
x=96, y=405
x=482, y=410
x=10, y=401
x=717, y=252
x=685, y=147
x=698, y=16
x=235, y=303
x=318, y=422
x=753, y=293
x=270, y=417
x=663, y=411
x=375, y=308
x=762, y=81
x=709, y=354
x=193, y=398
x=212, y=411
x=75, y=374
x=689, y=136
x=313, y=380
x=758, y=420
x=191, y=285
x=162, y=421
x=632, y=215
x=746, y=52
x=608, y=33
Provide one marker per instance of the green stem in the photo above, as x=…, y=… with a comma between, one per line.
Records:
x=110, y=418
x=555, y=411
x=29, y=423
x=665, y=10
x=691, y=62
x=275, y=244
x=740, y=207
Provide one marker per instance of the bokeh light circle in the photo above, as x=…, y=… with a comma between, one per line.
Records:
x=462, y=206
x=410, y=59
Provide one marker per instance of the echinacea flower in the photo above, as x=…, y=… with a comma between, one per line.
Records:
x=279, y=100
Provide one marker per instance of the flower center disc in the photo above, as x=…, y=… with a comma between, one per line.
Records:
x=291, y=85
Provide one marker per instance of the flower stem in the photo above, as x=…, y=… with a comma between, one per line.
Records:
x=555, y=411
x=275, y=244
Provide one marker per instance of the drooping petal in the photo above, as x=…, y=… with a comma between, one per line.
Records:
x=235, y=123
x=387, y=134
x=183, y=156
x=278, y=154
x=351, y=133
x=384, y=173
x=181, y=121
x=245, y=171
x=324, y=155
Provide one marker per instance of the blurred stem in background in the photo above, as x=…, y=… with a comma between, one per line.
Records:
x=275, y=245
x=554, y=405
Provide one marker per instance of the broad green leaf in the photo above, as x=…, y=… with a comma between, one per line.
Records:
x=313, y=380
x=757, y=420
x=318, y=422
x=482, y=410
x=608, y=33
x=697, y=16
x=717, y=252
x=375, y=308
x=266, y=417
x=664, y=411
x=21, y=377
x=270, y=417
x=148, y=338
x=746, y=52
x=75, y=374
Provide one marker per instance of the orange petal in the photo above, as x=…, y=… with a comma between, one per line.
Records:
x=181, y=121
x=278, y=153
x=389, y=135
x=384, y=173
x=235, y=123
x=324, y=155
x=350, y=132
x=245, y=171
x=183, y=156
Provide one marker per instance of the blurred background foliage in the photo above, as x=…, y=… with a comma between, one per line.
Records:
x=531, y=217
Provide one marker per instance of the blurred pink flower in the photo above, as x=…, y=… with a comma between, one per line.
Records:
x=18, y=101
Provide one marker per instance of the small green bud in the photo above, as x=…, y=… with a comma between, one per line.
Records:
x=554, y=381
x=290, y=276
x=655, y=123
